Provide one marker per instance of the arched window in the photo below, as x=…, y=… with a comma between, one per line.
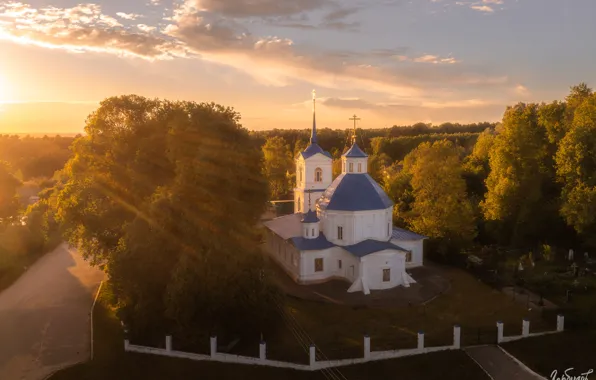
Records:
x=318, y=175
x=299, y=174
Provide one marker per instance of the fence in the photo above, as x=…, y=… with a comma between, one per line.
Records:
x=314, y=364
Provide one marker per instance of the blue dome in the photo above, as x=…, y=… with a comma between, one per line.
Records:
x=313, y=149
x=355, y=152
x=309, y=217
x=354, y=192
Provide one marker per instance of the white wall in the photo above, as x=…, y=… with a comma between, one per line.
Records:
x=285, y=254
x=331, y=268
x=357, y=226
x=308, y=167
x=373, y=265
x=416, y=246
x=345, y=167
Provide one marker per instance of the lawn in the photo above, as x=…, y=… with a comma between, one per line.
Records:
x=111, y=362
x=570, y=349
x=338, y=330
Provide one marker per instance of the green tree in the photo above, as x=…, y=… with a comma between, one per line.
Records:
x=166, y=195
x=9, y=205
x=278, y=164
x=397, y=185
x=576, y=169
x=441, y=209
x=519, y=170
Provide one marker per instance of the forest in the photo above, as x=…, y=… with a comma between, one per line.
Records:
x=165, y=196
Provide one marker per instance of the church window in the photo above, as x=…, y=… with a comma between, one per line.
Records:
x=386, y=275
x=313, y=232
x=340, y=232
x=318, y=265
x=306, y=230
x=408, y=257
x=318, y=175
x=351, y=167
x=359, y=168
x=338, y=264
x=388, y=229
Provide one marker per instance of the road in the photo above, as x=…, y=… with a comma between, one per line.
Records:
x=498, y=364
x=44, y=316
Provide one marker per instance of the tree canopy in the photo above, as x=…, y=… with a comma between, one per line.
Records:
x=167, y=195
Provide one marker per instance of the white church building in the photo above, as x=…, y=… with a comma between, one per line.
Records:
x=342, y=229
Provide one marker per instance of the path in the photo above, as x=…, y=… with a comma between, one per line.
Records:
x=44, y=316
x=498, y=364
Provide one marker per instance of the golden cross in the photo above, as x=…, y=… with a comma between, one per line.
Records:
x=354, y=118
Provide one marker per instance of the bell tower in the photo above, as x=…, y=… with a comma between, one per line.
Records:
x=313, y=170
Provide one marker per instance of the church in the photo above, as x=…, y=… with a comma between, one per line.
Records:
x=342, y=228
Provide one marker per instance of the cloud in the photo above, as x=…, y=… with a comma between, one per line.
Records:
x=482, y=8
x=128, y=16
x=357, y=103
x=429, y=58
x=82, y=28
x=146, y=28
x=521, y=90
x=255, y=8
x=199, y=29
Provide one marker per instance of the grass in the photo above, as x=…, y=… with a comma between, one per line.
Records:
x=111, y=362
x=338, y=330
x=544, y=354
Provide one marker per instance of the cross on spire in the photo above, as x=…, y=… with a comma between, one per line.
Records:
x=354, y=118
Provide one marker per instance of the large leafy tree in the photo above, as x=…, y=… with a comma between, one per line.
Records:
x=441, y=208
x=520, y=170
x=576, y=170
x=166, y=195
x=278, y=164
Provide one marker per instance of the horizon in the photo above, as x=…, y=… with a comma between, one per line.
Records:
x=392, y=62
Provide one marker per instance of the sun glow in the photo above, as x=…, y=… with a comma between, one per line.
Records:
x=5, y=89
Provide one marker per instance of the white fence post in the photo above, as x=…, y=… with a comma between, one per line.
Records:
x=560, y=322
x=366, y=347
x=457, y=336
x=126, y=344
x=526, y=327
x=499, y=332
x=168, y=343
x=263, y=351
x=420, y=340
x=213, y=346
x=312, y=355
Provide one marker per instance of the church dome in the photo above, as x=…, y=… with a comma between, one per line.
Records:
x=354, y=192
x=309, y=217
x=355, y=152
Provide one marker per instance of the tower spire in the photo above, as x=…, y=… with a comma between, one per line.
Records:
x=313, y=134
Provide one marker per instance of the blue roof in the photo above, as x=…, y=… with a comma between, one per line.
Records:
x=367, y=247
x=316, y=244
x=355, y=151
x=354, y=192
x=309, y=217
x=313, y=149
x=401, y=234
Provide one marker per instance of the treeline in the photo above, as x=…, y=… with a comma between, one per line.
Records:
x=336, y=141
x=35, y=157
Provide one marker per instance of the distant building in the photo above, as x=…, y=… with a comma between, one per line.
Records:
x=342, y=229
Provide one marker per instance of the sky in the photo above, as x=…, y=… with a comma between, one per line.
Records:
x=391, y=62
